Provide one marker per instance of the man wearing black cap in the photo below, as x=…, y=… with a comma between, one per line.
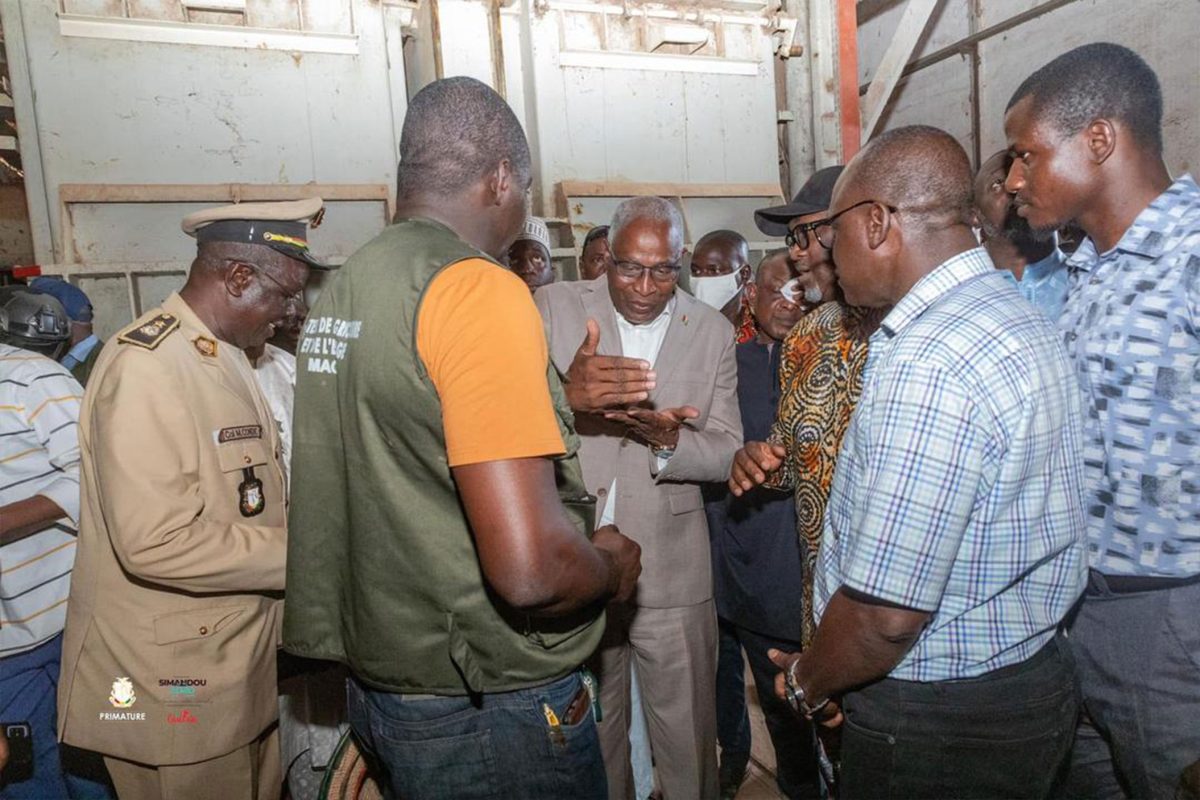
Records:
x=173, y=620
x=85, y=344
x=820, y=370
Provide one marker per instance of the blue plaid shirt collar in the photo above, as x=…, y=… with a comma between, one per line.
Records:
x=925, y=292
x=1144, y=237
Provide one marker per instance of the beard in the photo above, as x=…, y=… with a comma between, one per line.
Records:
x=1017, y=230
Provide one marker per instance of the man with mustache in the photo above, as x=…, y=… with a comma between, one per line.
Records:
x=1086, y=135
x=1033, y=258
x=820, y=375
x=953, y=537
x=756, y=561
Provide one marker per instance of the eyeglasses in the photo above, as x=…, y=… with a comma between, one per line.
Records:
x=293, y=300
x=826, y=233
x=798, y=236
x=661, y=273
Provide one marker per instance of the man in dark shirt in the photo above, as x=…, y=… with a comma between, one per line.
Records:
x=756, y=562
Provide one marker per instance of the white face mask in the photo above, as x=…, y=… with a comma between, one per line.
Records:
x=791, y=292
x=716, y=290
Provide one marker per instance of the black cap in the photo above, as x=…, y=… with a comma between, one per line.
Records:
x=281, y=226
x=816, y=195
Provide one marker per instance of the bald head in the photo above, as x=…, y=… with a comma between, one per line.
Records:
x=903, y=206
x=918, y=169
x=723, y=239
x=774, y=264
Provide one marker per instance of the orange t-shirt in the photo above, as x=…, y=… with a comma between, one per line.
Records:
x=481, y=339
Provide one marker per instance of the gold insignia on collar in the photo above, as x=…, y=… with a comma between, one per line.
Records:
x=151, y=332
x=205, y=346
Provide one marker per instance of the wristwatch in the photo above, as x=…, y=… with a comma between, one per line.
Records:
x=796, y=697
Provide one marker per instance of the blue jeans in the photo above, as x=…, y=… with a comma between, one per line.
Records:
x=483, y=746
x=29, y=693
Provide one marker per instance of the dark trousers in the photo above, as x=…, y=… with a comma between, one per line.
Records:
x=491, y=746
x=1139, y=668
x=791, y=736
x=29, y=693
x=1002, y=735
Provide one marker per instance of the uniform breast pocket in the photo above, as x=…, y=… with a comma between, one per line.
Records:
x=245, y=463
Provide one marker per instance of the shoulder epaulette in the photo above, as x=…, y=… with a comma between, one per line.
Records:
x=151, y=332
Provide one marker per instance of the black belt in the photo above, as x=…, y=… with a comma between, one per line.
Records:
x=1099, y=583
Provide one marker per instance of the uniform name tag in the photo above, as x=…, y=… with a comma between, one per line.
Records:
x=238, y=433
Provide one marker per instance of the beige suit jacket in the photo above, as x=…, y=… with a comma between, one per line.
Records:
x=664, y=513
x=175, y=597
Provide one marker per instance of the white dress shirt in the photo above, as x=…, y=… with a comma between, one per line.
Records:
x=638, y=341
x=275, y=372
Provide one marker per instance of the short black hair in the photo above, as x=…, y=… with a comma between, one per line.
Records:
x=1100, y=80
x=456, y=130
x=722, y=237
x=598, y=232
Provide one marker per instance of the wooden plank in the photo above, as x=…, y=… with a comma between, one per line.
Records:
x=113, y=269
x=195, y=33
x=912, y=25
x=631, y=189
x=219, y=192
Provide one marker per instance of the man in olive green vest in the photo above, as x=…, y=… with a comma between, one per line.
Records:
x=438, y=539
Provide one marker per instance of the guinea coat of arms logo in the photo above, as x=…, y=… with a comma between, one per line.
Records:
x=122, y=695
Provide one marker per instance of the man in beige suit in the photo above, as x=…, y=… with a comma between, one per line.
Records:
x=173, y=617
x=644, y=463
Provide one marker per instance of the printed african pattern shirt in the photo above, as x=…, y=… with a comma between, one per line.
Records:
x=747, y=326
x=1131, y=326
x=820, y=378
x=959, y=488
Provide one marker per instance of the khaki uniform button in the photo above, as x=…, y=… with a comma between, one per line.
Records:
x=247, y=459
x=204, y=630
x=601, y=492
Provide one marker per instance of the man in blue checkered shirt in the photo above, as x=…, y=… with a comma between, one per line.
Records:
x=1086, y=135
x=953, y=543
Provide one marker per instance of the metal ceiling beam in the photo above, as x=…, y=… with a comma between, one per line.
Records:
x=964, y=45
x=895, y=58
x=869, y=9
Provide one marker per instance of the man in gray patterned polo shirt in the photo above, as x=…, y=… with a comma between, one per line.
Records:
x=1085, y=132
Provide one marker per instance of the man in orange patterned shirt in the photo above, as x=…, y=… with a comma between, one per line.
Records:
x=820, y=377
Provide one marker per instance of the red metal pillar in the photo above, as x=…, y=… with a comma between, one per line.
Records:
x=851, y=121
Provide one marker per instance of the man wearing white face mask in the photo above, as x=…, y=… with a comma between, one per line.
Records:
x=720, y=272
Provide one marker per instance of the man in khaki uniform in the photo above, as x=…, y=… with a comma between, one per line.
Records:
x=173, y=618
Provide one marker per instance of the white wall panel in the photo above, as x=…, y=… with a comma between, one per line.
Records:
x=129, y=112
x=1162, y=31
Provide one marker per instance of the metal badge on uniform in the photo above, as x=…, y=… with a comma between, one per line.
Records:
x=205, y=346
x=250, y=494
